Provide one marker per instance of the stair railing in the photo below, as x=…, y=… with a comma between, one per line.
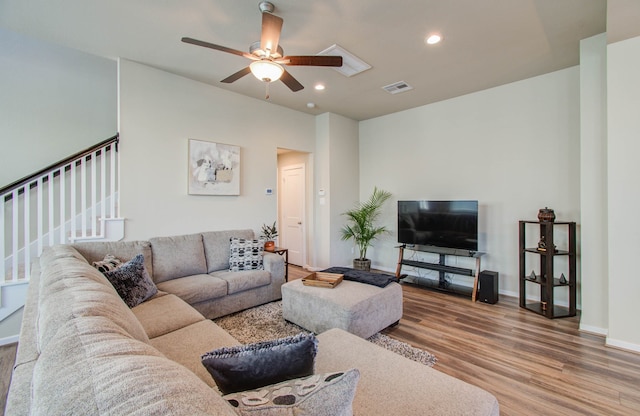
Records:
x=66, y=201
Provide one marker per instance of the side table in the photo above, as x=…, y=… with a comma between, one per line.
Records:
x=284, y=252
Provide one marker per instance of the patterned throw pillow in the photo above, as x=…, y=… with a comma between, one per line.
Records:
x=251, y=366
x=245, y=254
x=110, y=262
x=132, y=282
x=320, y=394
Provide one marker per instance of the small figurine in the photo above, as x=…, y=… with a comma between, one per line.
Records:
x=542, y=244
x=563, y=280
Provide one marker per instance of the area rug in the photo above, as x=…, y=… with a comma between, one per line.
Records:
x=265, y=322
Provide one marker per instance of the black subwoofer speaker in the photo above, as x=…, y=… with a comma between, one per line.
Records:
x=488, y=291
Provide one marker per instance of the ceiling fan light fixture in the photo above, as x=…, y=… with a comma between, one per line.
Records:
x=266, y=71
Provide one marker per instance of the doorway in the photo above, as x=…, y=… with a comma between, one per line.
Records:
x=292, y=206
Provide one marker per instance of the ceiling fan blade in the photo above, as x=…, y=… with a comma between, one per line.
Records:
x=312, y=60
x=290, y=81
x=271, y=28
x=217, y=47
x=237, y=75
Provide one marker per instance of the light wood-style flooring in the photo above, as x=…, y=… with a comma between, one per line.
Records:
x=533, y=365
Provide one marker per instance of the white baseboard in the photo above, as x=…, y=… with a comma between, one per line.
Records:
x=593, y=330
x=9, y=340
x=623, y=345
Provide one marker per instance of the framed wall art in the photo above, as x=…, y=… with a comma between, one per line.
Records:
x=214, y=168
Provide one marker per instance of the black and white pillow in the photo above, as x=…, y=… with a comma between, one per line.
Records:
x=318, y=394
x=109, y=263
x=245, y=254
x=132, y=282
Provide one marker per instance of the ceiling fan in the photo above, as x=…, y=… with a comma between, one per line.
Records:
x=267, y=55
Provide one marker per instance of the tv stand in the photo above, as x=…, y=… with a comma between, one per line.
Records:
x=442, y=284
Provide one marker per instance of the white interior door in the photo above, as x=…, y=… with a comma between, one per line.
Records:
x=292, y=212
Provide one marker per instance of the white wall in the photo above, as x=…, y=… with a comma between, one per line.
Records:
x=336, y=186
x=623, y=88
x=593, y=184
x=514, y=148
x=159, y=112
x=54, y=102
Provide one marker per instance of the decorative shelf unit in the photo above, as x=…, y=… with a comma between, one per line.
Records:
x=547, y=278
x=442, y=284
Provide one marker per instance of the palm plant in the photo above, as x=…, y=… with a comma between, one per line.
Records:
x=362, y=217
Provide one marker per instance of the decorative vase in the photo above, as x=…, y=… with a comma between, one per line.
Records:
x=359, y=264
x=546, y=215
x=269, y=245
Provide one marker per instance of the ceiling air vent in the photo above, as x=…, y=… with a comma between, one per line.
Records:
x=397, y=87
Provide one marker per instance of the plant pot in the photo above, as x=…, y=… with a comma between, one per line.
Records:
x=360, y=264
x=269, y=245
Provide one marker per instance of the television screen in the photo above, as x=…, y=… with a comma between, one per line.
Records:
x=447, y=224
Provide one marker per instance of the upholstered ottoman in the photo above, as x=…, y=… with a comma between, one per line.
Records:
x=359, y=308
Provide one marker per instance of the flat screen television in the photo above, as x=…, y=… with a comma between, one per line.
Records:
x=445, y=224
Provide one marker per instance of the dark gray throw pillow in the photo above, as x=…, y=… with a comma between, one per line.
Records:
x=252, y=366
x=132, y=282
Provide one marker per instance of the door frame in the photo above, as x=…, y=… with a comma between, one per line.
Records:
x=304, y=213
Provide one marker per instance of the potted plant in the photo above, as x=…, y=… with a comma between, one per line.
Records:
x=269, y=233
x=361, y=226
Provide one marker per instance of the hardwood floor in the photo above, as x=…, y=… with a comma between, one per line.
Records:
x=533, y=365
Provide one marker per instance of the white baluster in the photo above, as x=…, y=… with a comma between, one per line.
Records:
x=15, y=225
x=51, y=198
x=72, y=203
x=3, y=254
x=94, y=209
x=27, y=231
x=83, y=196
x=113, y=157
x=62, y=204
x=103, y=188
x=40, y=213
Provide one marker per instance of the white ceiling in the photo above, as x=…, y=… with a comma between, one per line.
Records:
x=486, y=42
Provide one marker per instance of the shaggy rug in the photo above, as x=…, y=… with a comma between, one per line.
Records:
x=265, y=322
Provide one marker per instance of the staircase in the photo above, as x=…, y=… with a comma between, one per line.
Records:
x=75, y=199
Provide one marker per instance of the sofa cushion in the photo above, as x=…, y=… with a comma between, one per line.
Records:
x=382, y=372
x=164, y=314
x=194, y=289
x=244, y=280
x=245, y=254
x=72, y=288
x=216, y=247
x=319, y=394
x=59, y=251
x=132, y=282
x=123, y=250
x=186, y=345
x=259, y=364
x=177, y=256
x=92, y=367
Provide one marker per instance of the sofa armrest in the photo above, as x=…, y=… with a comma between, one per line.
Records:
x=274, y=264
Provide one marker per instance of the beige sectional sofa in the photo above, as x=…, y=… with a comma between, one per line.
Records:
x=82, y=351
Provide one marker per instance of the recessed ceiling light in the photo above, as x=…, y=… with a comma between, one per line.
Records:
x=433, y=39
x=311, y=105
x=319, y=87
